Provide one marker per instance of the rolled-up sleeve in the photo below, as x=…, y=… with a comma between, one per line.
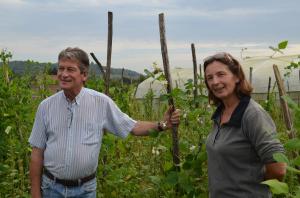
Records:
x=117, y=122
x=38, y=136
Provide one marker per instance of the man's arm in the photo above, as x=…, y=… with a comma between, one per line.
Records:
x=35, y=171
x=143, y=128
x=275, y=170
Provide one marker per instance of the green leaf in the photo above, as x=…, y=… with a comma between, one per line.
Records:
x=202, y=157
x=282, y=45
x=155, y=179
x=172, y=178
x=187, y=165
x=292, y=144
x=296, y=161
x=164, y=97
x=276, y=186
x=168, y=166
x=280, y=157
x=185, y=183
x=161, y=77
x=189, y=157
x=293, y=169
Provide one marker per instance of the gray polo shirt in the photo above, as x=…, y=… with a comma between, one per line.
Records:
x=71, y=133
x=238, y=150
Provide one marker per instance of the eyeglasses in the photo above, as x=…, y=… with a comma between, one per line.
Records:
x=219, y=56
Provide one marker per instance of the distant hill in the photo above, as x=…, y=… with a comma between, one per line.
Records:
x=22, y=67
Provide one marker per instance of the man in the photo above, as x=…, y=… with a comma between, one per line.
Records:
x=68, y=129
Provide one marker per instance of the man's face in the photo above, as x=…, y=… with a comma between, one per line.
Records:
x=69, y=76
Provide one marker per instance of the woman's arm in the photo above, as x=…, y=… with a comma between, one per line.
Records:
x=275, y=170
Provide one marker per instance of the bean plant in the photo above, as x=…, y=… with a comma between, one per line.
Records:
x=136, y=166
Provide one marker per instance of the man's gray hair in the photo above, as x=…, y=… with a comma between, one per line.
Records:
x=76, y=54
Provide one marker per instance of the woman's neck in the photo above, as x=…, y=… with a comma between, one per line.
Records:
x=231, y=103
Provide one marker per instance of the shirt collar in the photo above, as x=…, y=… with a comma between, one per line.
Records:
x=237, y=115
x=77, y=98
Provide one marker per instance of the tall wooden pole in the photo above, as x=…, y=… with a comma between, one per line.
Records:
x=195, y=74
x=284, y=105
x=164, y=52
x=109, y=51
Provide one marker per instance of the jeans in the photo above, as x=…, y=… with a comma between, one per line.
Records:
x=51, y=189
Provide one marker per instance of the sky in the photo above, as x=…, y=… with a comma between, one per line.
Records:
x=39, y=29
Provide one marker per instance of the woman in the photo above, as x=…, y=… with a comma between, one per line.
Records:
x=242, y=142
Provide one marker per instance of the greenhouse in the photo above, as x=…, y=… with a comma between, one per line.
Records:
x=262, y=70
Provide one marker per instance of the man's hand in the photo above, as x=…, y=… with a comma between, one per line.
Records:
x=172, y=117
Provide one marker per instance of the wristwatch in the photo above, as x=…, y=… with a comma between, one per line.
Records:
x=162, y=125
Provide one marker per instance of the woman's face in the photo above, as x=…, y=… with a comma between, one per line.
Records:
x=220, y=80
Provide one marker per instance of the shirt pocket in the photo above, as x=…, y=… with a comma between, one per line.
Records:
x=91, y=135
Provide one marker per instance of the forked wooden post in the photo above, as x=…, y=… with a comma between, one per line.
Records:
x=100, y=65
x=195, y=74
x=284, y=105
x=106, y=72
x=164, y=52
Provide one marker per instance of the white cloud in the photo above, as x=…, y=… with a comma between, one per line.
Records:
x=11, y=3
x=79, y=4
x=133, y=54
x=196, y=12
x=137, y=2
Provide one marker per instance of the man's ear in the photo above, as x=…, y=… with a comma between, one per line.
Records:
x=85, y=75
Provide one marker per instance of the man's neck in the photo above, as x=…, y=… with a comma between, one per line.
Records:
x=71, y=95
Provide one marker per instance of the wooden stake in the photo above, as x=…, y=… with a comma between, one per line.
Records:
x=164, y=52
x=201, y=76
x=109, y=51
x=122, y=77
x=99, y=64
x=269, y=88
x=284, y=105
x=195, y=74
x=250, y=75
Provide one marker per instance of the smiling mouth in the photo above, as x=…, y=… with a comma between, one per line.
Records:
x=218, y=89
x=65, y=81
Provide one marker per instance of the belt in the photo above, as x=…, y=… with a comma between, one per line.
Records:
x=69, y=183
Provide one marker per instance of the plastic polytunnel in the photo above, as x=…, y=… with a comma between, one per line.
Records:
x=179, y=77
x=262, y=70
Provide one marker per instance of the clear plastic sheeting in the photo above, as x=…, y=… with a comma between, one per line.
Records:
x=262, y=70
x=179, y=77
